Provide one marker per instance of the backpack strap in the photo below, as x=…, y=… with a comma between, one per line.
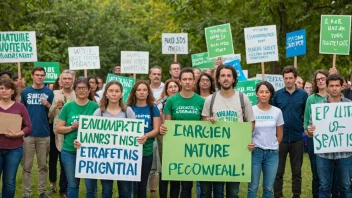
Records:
x=242, y=104
x=212, y=103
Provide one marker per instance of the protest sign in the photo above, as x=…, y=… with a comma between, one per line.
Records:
x=203, y=151
x=296, y=43
x=10, y=121
x=335, y=32
x=248, y=88
x=82, y=58
x=202, y=61
x=133, y=62
x=175, y=43
x=333, y=127
x=245, y=72
x=127, y=84
x=276, y=80
x=110, y=149
x=236, y=64
x=261, y=44
x=52, y=70
x=219, y=40
x=230, y=57
x=18, y=47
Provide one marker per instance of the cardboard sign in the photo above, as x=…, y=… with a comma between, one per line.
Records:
x=333, y=127
x=275, y=79
x=236, y=64
x=133, y=62
x=110, y=149
x=127, y=84
x=18, y=47
x=202, y=61
x=52, y=70
x=261, y=44
x=175, y=43
x=82, y=58
x=296, y=43
x=248, y=88
x=203, y=151
x=9, y=121
x=219, y=40
x=335, y=34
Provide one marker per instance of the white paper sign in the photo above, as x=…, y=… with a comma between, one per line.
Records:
x=333, y=132
x=18, y=47
x=174, y=43
x=84, y=58
x=133, y=62
x=110, y=149
x=275, y=79
x=261, y=44
x=229, y=58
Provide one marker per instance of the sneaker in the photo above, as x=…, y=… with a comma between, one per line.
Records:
x=43, y=195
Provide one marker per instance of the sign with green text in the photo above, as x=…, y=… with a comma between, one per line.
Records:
x=52, y=70
x=18, y=47
x=333, y=127
x=335, y=34
x=203, y=151
x=110, y=148
x=219, y=40
x=127, y=84
x=248, y=88
x=202, y=61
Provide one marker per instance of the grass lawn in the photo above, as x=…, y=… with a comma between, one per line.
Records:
x=306, y=184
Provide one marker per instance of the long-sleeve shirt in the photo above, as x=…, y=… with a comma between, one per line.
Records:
x=13, y=143
x=292, y=107
x=312, y=99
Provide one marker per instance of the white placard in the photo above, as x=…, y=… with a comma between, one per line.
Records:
x=245, y=72
x=333, y=132
x=134, y=62
x=110, y=149
x=261, y=44
x=174, y=43
x=276, y=80
x=18, y=47
x=84, y=58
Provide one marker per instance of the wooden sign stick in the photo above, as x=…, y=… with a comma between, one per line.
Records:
x=175, y=57
x=86, y=73
x=295, y=62
x=19, y=70
x=334, y=61
x=135, y=77
x=263, y=71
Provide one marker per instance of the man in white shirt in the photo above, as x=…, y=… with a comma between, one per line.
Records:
x=155, y=81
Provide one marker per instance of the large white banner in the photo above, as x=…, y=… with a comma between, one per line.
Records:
x=81, y=58
x=18, y=47
x=333, y=124
x=134, y=62
x=175, y=43
x=110, y=149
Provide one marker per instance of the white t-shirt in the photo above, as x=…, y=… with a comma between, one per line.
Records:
x=264, y=135
x=157, y=91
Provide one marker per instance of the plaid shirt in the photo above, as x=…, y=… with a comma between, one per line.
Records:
x=336, y=155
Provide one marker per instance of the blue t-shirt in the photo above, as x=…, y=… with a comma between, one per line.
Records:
x=38, y=113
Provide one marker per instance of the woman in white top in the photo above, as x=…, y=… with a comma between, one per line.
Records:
x=267, y=135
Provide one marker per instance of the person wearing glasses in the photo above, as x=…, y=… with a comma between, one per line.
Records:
x=175, y=69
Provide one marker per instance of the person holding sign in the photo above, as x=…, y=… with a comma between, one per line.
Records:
x=11, y=142
x=267, y=135
x=185, y=105
x=141, y=100
x=231, y=106
x=340, y=162
x=68, y=125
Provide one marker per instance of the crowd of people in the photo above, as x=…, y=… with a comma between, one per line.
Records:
x=280, y=121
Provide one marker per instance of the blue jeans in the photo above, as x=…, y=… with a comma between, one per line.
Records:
x=232, y=189
x=268, y=161
x=9, y=161
x=313, y=167
x=326, y=168
x=125, y=188
x=69, y=163
x=140, y=188
x=208, y=187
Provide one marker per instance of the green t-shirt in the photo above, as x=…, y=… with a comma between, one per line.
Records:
x=181, y=108
x=70, y=113
x=312, y=99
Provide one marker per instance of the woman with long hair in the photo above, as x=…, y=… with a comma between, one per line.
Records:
x=205, y=85
x=68, y=125
x=171, y=87
x=141, y=100
x=11, y=141
x=93, y=96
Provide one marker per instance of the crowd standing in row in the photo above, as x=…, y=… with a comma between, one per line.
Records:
x=50, y=120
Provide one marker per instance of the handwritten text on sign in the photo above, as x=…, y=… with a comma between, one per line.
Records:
x=202, y=151
x=333, y=124
x=296, y=43
x=84, y=58
x=133, y=62
x=175, y=43
x=276, y=80
x=219, y=40
x=261, y=44
x=110, y=149
x=18, y=47
x=127, y=84
x=335, y=34
x=52, y=70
